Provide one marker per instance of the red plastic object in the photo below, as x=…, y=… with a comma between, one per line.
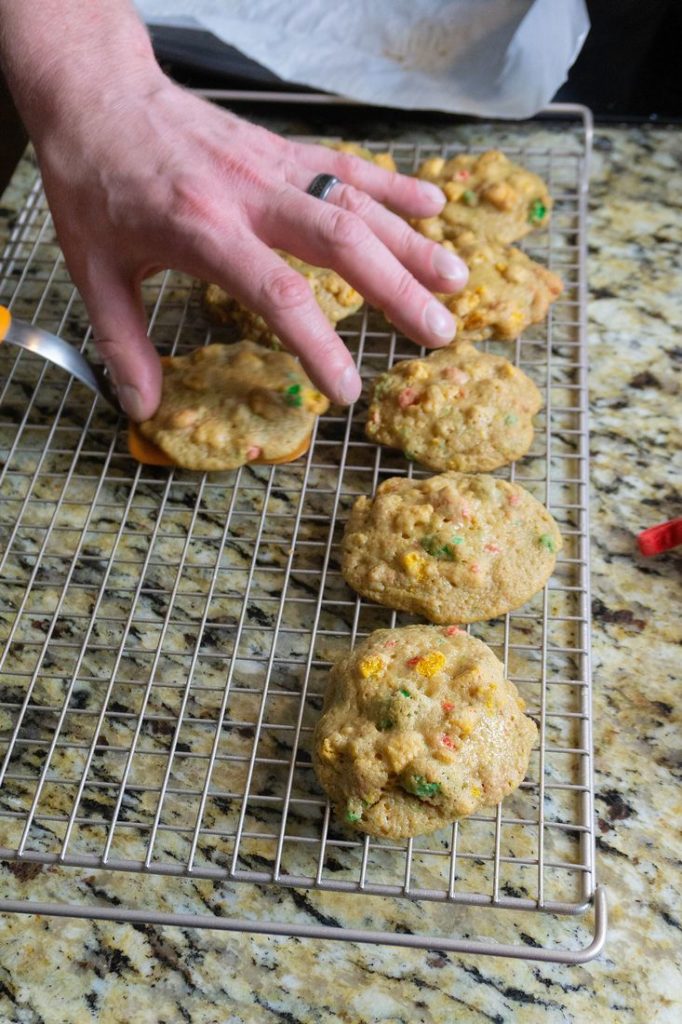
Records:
x=660, y=538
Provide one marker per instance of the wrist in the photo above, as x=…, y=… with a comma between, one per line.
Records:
x=72, y=59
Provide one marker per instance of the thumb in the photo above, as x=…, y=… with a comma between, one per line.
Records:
x=120, y=328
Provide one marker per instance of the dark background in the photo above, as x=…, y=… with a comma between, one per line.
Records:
x=628, y=70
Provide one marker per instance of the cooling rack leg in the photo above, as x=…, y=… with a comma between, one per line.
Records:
x=230, y=924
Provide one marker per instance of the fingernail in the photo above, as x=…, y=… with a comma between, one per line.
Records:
x=449, y=266
x=350, y=385
x=439, y=321
x=131, y=401
x=432, y=192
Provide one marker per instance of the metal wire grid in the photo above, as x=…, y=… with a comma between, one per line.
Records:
x=167, y=634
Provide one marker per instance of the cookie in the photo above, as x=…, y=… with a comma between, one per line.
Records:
x=335, y=297
x=419, y=728
x=456, y=409
x=384, y=160
x=225, y=405
x=506, y=291
x=488, y=194
x=453, y=548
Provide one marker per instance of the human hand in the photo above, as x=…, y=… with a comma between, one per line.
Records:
x=142, y=175
x=168, y=180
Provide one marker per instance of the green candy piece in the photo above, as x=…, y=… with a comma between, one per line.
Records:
x=421, y=788
x=433, y=547
x=547, y=542
x=405, y=693
x=469, y=197
x=510, y=419
x=354, y=810
x=292, y=396
x=457, y=540
x=537, y=212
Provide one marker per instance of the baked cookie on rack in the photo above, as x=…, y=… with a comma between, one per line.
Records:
x=506, y=291
x=225, y=405
x=456, y=409
x=384, y=159
x=488, y=194
x=419, y=728
x=453, y=547
x=335, y=297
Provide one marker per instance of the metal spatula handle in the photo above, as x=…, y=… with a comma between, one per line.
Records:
x=58, y=351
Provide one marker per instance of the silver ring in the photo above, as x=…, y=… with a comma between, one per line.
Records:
x=321, y=185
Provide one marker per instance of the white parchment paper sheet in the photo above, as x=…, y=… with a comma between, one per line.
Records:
x=492, y=58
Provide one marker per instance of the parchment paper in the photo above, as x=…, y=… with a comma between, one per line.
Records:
x=492, y=58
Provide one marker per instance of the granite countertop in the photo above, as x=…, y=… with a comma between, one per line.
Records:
x=55, y=970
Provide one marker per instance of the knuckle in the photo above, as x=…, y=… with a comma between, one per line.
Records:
x=241, y=172
x=356, y=202
x=409, y=188
x=345, y=164
x=342, y=229
x=189, y=199
x=410, y=241
x=396, y=182
x=403, y=289
x=283, y=289
x=327, y=349
x=108, y=348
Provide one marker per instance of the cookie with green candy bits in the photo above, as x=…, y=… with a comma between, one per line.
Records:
x=488, y=194
x=453, y=547
x=223, y=406
x=419, y=728
x=456, y=409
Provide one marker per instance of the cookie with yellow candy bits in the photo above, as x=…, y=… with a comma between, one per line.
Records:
x=506, y=292
x=335, y=297
x=486, y=193
x=419, y=728
x=223, y=406
x=456, y=409
x=384, y=159
x=453, y=547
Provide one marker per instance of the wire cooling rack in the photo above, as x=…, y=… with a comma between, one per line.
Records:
x=167, y=635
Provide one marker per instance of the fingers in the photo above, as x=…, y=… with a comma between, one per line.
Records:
x=436, y=268
x=330, y=236
x=120, y=330
x=408, y=196
x=248, y=269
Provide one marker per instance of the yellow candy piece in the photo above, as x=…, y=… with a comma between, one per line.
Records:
x=489, y=694
x=476, y=791
x=314, y=401
x=415, y=565
x=430, y=664
x=370, y=667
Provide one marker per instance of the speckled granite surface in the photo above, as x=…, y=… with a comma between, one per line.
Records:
x=73, y=971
